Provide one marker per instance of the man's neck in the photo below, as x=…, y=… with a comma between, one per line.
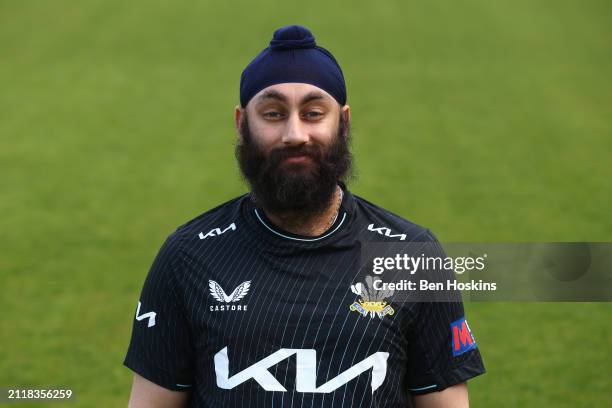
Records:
x=308, y=225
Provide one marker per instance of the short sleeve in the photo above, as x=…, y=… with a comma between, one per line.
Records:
x=160, y=348
x=442, y=350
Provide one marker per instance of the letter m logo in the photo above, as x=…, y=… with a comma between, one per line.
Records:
x=462, y=337
x=305, y=375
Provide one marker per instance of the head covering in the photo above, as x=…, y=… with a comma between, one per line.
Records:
x=293, y=56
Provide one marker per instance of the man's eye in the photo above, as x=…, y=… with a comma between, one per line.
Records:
x=272, y=115
x=313, y=114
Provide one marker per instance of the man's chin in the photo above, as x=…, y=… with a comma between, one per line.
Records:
x=299, y=172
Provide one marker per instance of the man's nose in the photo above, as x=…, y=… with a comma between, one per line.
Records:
x=295, y=133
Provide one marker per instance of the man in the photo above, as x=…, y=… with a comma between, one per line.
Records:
x=259, y=302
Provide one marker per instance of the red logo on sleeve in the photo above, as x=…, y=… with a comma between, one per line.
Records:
x=462, y=337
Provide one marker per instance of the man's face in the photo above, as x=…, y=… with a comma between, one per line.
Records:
x=293, y=147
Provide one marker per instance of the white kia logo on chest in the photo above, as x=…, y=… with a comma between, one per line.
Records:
x=305, y=372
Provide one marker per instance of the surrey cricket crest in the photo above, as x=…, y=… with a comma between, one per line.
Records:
x=372, y=300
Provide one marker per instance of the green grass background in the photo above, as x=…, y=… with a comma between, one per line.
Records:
x=482, y=120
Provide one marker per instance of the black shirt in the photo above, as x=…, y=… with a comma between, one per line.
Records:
x=243, y=314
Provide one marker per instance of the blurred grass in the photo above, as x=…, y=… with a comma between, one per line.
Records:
x=480, y=120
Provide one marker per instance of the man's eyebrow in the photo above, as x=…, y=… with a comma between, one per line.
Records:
x=312, y=96
x=272, y=94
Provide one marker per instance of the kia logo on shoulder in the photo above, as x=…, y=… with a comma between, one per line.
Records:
x=217, y=231
x=386, y=232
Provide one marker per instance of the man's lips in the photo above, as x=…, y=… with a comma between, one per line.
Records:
x=296, y=159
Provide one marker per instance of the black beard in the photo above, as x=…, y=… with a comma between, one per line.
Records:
x=304, y=190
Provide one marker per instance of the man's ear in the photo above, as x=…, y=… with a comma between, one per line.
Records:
x=345, y=114
x=238, y=118
x=345, y=111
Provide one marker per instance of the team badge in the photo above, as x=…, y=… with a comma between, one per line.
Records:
x=463, y=340
x=228, y=300
x=371, y=300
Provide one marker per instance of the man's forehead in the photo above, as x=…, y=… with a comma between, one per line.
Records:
x=293, y=92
